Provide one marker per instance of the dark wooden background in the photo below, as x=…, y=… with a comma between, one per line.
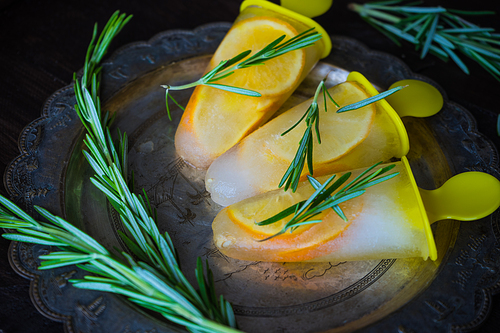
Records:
x=43, y=42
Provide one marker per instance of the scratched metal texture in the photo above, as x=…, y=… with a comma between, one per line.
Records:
x=452, y=294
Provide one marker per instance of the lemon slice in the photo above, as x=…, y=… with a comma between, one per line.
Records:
x=275, y=76
x=340, y=132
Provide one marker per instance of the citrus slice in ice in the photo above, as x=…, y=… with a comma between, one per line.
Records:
x=313, y=243
x=214, y=119
x=255, y=209
x=275, y=76
x=340, y=132
x=304, y=243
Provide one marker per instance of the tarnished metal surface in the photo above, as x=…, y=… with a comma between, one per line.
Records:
x=382, y=295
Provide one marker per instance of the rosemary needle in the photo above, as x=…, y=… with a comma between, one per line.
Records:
x=244, y=60
x=370, y=100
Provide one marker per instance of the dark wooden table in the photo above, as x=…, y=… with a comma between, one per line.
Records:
x=43, y=42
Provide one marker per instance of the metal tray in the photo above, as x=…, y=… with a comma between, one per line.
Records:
x=410, y=295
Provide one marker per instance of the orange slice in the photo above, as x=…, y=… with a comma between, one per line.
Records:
x=245, y=213
x=277, y=75
x=215, y=120
x=236, y=234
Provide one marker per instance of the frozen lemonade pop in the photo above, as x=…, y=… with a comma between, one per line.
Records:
x=214, y=119
x=349, y=140
x=390, y=220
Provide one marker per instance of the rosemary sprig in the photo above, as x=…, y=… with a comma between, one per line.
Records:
x=139, y=282
x=435, y=30
x=110, y=161
x=228, y=67
x=324, y=198
x=158, y=269
x=304, y=153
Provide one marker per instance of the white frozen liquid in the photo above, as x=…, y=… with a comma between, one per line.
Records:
x=390, y=226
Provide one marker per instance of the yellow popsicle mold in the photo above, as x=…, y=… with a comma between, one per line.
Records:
x=294, y=15
x=467, y=196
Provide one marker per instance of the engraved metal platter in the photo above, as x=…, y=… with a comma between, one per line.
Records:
x=412, y=295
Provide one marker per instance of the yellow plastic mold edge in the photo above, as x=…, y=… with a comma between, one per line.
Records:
x=393, y=115
x=427, y=226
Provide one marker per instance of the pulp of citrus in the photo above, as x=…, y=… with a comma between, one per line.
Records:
x=214, y=120
x=237, y=235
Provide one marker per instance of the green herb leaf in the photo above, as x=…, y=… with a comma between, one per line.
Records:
x=236, y=90
x=30, y=239
x=369, y=100
x=305, y=151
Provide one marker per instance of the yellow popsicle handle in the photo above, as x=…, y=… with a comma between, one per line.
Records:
x=309, y=8
x=418, y=99
x=465, y=197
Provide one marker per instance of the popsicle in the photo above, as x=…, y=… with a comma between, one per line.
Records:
x=349, y=140
x=214, y=119
x=390, y=220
